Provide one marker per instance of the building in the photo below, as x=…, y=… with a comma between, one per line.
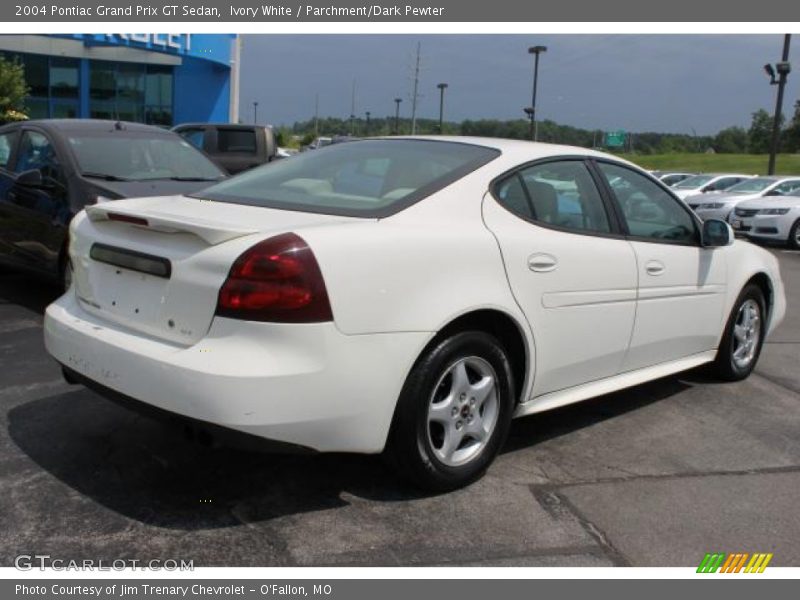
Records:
x=163, y=79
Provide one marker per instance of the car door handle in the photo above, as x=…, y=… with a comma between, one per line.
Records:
x=542, y=263
x=654, y=268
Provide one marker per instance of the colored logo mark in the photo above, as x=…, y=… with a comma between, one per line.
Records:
x=734, y=563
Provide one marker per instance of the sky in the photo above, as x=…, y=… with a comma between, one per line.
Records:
x=664, y=83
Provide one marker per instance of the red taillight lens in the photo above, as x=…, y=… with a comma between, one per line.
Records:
x=276, y=280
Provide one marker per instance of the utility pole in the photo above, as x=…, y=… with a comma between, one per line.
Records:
x=414, y=96
x=353, y=109
x=783, y=68
x=442, y=87
x=316, y=116
x=367, y=131
x=255, y=112
x=397, y=102
x=534, y=128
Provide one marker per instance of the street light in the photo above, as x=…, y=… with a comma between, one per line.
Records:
x=783, y=69
x=531, y=111
x=255, y=113
x=442, y=87
x=367, y=131
x=397, y=102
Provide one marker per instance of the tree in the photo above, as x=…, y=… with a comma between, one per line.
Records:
x=732, y=140
x=13, y=90
x=759, y=137
x=791, y=135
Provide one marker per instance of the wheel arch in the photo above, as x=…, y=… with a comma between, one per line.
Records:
x=509, y=332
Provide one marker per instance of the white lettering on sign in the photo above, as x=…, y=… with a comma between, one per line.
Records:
x=173, y=41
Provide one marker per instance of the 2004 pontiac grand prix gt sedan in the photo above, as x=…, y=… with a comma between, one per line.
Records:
x=407, y=296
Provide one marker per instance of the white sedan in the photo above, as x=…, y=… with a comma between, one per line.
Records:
x=707, y=182
x=407, y=296
x=720, y=205
x=770, y=219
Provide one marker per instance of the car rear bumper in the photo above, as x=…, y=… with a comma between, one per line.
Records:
x=306, y=385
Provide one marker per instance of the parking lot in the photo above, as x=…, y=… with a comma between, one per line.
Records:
x=657, y=475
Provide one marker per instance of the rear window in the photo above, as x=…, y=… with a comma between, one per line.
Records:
x=371, y=178
x=241, y=141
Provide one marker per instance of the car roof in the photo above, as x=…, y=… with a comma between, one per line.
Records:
x=517, y=150
x=99, y=125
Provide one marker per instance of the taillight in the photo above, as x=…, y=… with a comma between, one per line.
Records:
x=276, y=280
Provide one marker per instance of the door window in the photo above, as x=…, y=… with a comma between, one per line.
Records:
x=560, y=194
x=236, y=140
x=648, y=210
x=787, y=188
x=36, y=152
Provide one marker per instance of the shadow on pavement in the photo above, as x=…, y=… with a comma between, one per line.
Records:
x=146, y=470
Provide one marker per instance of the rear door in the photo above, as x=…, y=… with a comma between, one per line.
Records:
x=38, y=214
x=571, y=271
x=681, y=291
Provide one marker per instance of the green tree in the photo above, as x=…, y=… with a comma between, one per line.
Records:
x=791, y=135
x=759, y=137
x=13, y=89
x=732, y=140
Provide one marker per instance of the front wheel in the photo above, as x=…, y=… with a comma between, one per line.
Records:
x=794, y=236
x=453, y=413
x=743, y=336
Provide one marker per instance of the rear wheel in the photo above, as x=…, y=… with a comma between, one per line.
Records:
x=743, y=336
x=454, y=412
x=794, y=236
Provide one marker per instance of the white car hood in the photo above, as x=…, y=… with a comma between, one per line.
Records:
x=772, y=202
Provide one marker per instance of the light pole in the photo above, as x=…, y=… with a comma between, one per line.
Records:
x=397, y=102
x=255, y=112
x=367, y=130
x=531, y=111
x=783, y=69
x=442, y=87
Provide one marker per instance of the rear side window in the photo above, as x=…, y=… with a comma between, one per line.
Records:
x=6, y=144
x=240, y=141
x=560, y=194
x=370, y=178
x=196, y=137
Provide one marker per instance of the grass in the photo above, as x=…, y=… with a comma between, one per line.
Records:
x=785, y=164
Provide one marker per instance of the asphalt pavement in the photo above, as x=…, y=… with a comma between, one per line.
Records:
x=656, y=475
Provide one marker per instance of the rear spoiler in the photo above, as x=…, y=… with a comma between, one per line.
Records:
x=211, y=232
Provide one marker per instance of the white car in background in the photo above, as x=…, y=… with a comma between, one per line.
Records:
x=670, y=178
x=719, y=205
x=707, y=182
x=769, y=219
x=407, y=296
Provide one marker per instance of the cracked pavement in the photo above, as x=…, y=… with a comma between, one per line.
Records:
x=656, y=475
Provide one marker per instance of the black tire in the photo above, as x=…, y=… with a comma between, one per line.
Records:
x=725, y=366
x=411, y=447
x=793, y=242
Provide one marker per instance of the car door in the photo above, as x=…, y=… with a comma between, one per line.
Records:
x=570, y=270
x=681, y=294
x=39, y=212
x=7, y=146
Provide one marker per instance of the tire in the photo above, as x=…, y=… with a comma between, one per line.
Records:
x=794, y=236
x=453, y=413
x=743, y=337
x=65, y=275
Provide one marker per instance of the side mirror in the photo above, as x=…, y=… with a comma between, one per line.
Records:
x=716, y=233
x=31, y=178
x=774, y=193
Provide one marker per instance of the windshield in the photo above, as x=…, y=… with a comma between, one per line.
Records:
x=693, y=182
x=138, y=156
x=751, y=186
x=371, y=178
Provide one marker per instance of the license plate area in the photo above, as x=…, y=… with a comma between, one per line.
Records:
x=131, y=260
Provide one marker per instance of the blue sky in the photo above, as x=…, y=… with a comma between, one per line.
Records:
x=672, y=83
